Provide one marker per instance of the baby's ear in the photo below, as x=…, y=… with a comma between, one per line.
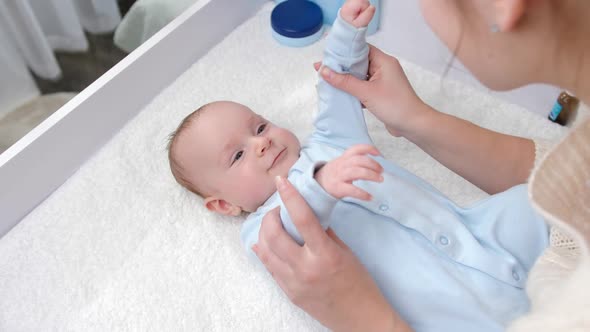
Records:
x=222, y=206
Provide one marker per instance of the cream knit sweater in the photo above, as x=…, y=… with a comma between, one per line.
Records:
x=559, y=283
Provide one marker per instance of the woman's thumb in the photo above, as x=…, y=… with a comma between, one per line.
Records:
x=346, y=82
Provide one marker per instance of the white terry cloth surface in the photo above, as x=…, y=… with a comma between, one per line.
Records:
x=121, y=247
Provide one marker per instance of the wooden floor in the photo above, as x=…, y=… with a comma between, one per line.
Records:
x=79, y=70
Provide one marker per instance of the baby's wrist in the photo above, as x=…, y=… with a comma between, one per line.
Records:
x=318, y=174
x=349, y=22
x=321, y=177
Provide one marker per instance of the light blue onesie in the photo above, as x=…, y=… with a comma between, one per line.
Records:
x=442, y=267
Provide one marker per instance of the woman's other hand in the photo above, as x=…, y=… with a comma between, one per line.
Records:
x=323, y=277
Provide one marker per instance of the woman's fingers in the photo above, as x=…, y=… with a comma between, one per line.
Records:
x=336, y=239
x=301, y=214
x=348, y=83
x=376, y=59
x=273, y=235
x=275, y=266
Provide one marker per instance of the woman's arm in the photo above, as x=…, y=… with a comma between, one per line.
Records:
x=492, y=161
x=323, y=277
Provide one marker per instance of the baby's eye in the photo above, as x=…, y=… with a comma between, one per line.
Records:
x=260, y=129
x=237, y=157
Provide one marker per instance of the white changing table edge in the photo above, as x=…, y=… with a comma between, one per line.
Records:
x=46, y=157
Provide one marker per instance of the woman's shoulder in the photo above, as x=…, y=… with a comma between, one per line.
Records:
x=558, y=284
x=560, y=184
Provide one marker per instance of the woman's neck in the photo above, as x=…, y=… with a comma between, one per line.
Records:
x=571, y=69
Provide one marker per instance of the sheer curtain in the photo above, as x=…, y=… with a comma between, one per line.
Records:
x=30, y=31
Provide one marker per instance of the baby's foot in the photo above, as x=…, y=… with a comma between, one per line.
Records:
x=357, y=12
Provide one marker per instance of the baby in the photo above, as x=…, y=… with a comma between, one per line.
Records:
x=442, y=267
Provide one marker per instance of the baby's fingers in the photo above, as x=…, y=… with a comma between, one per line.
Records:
x=361, y=149
x=365, y=17
x=361, y=173
x=366, y=162
x=317, y=65
x=350, y=190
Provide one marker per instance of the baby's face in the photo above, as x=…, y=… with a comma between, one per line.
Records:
x=234, y=154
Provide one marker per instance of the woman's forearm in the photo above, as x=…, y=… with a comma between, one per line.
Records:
x=371, y=313
x=490, y=160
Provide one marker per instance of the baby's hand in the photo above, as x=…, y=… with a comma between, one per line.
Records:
x=357, y=12
x=337, y=175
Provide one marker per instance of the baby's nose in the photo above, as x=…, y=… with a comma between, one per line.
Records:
x=262, y=144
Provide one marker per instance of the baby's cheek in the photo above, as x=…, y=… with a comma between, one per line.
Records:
x=256, y=190
x=263, y=188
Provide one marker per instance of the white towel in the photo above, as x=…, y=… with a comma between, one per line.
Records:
x=121, y=247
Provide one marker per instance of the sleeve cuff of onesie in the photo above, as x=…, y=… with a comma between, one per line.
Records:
x=345, y=39
x=320, y=201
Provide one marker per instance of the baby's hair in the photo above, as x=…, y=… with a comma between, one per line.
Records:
x=175, y=167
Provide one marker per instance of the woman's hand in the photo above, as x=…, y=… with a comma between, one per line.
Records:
x=492, y=161
x=387, y=93
x=323, y=276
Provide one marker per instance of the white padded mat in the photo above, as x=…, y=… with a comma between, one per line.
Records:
x=121, y=247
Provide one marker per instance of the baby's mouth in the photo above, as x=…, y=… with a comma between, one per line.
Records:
x=278, y=157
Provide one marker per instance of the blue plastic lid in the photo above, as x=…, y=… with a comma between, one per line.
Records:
x=297, y=18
